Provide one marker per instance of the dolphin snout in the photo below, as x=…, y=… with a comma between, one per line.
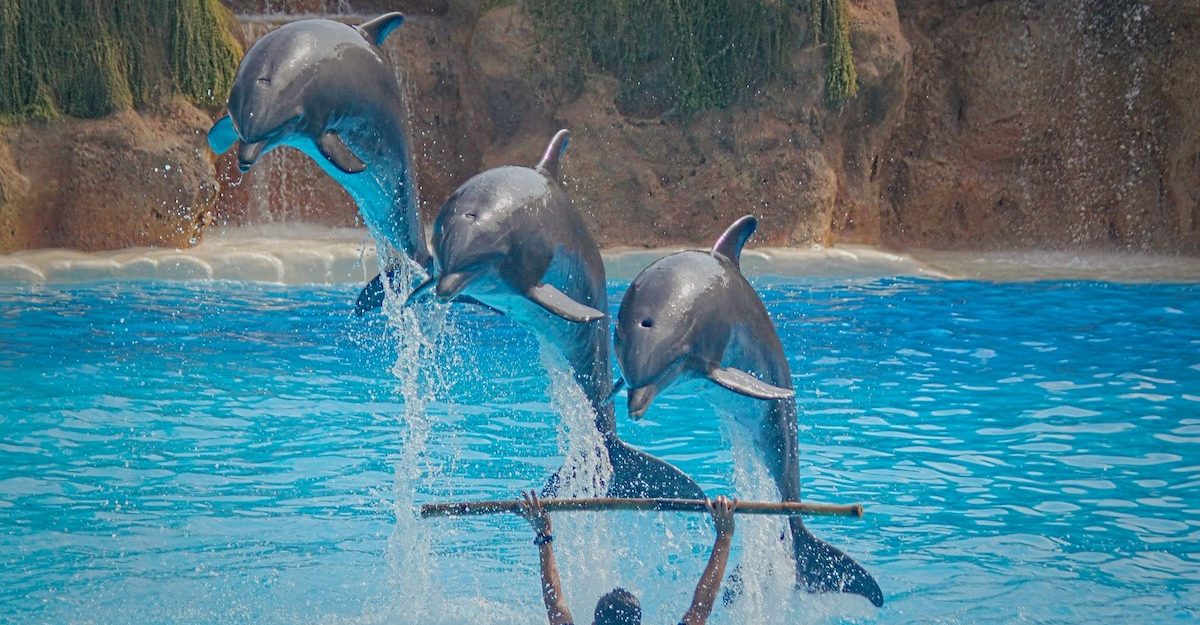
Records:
x=639, y=401
x=450, y=285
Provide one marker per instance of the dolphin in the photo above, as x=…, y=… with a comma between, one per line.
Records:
x=511, y=238
x=692, y=316
x=325, y=88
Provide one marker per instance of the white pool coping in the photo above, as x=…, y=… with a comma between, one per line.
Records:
x=300, y=254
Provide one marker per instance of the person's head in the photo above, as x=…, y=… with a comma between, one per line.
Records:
x=618, y=607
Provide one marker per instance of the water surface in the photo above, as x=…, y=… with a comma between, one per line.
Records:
x=227, y=453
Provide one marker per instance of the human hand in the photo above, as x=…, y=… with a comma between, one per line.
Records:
x=722, y=514
x=531, y=509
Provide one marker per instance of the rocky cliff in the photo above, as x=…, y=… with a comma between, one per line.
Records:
x=977, y=124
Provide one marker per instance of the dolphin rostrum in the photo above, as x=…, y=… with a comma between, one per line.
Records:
x=511, y=239
x=326, y=89
x=692, y=316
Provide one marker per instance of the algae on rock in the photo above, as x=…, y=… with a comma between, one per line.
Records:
x=680, y=57
x=90, y=58
x=690, y=54
x=829, y=21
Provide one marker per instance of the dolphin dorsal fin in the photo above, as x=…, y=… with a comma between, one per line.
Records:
x=730, y=245
x=377, y=30
x=549, y=163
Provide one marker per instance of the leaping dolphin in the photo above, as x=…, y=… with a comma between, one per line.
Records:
x=511, y=239
x=326, y=89
x=693, y=316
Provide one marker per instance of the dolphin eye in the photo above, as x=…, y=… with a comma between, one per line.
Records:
x=266, y=82
x=471, y=216
x=647, y=323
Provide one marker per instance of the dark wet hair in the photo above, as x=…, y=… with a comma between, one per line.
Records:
x=618, y=607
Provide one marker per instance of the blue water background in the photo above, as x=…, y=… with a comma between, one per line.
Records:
x=224, y=453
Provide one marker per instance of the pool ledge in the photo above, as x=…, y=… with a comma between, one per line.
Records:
x=319, y=255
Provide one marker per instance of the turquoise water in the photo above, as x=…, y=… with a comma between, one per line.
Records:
x=242, y=453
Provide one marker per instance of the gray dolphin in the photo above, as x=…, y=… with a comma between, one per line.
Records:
x=511, y=238
x=326, y=89
x=693, y=316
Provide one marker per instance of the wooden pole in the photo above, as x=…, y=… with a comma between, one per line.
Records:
x=788, y=508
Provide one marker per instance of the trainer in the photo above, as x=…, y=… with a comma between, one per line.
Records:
x=620, y=607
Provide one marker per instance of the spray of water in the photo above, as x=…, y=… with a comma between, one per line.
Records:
x=767, y=572
x=657, y=557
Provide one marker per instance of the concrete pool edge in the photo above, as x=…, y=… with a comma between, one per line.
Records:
x=320, y=255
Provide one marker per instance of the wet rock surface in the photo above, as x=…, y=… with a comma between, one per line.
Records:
x=1044, y=124
x=126, y=180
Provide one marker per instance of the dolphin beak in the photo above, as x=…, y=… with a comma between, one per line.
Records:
x=248, y=154
x=450, y=285
x=639, y=401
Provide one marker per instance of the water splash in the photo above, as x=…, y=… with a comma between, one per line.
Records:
x=421, y=336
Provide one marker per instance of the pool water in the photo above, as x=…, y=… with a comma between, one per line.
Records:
x=248, y=453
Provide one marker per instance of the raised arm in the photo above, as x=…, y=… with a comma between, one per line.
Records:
x=710, y=581
x=556, y=606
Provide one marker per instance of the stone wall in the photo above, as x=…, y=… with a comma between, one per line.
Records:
x=1047, y=124
x=126, y=180
x=978, y=124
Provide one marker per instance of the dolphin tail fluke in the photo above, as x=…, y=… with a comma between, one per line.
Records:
x=821, y=567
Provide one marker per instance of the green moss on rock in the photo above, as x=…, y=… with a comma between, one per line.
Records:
x=830, y=22
x=698, y=54
x=90, y=58
x=695, y=54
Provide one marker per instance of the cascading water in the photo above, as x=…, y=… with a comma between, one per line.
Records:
x=766, y=573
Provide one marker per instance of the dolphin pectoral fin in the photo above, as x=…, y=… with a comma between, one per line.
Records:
x=550, y=159
x=422, y=292
x=557, y=303
x=332, y=148
x=639, y=475
x=821, y=567
x=222, y=136
x=377, y=30
x=617, y=386
x=730, y=245
x=467, y=299
x=426, y=289
x=372, y=295
x=370, y=298
x=743, y=383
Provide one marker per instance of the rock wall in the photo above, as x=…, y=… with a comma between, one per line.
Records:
x=483, y=93
x=126, y=180
x=1047, y=124
x=979, y=124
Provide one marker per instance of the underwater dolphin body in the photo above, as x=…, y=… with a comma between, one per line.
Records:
x=326, y=89
x=511, y=239
x=692, y=316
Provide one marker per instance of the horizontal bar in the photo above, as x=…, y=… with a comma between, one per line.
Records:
x=788, y=508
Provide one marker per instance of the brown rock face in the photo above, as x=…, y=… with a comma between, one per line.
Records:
x=978, y=124
x=1047, y=124
x=646, y=181
x=126, y=180
x=483, y=93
